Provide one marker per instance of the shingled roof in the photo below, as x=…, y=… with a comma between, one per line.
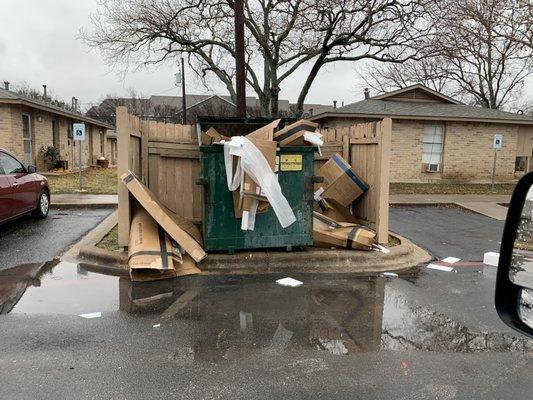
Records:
x=10, y=97
x=384, y=106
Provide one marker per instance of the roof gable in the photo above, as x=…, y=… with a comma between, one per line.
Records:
x=416, y=93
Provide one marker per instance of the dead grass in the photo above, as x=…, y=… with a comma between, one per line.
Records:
x=110, y=241
x=95, y=181
x=450, y=188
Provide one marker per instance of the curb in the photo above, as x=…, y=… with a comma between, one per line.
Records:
x=401, y=257
x=82, y=205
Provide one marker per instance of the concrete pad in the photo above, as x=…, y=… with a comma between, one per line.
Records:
x=79, y=200
x=492, y=210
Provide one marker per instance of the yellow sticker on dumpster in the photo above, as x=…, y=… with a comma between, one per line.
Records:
x=291, y=162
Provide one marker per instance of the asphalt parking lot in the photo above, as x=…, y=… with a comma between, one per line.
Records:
x=27, y=240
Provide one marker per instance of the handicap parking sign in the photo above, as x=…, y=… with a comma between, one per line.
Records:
x=497, y=143
x=79, y=131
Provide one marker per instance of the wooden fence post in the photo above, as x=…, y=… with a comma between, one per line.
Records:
x=123, y=148
x=382, y=178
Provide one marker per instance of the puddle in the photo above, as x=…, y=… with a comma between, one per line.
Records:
x=242, y=316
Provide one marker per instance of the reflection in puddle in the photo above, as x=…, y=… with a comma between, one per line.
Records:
x=241, y=317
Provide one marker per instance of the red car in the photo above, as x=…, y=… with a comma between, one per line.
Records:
x=22, y=190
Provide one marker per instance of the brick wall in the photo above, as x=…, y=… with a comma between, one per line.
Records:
x=468, y=153
x=7, y=140
x=42, y=135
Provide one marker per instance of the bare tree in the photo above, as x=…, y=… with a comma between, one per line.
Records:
x=475, y=56
x=137, y=105
x=282, y=36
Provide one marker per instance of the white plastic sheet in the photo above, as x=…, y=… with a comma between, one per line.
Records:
x=252, y=162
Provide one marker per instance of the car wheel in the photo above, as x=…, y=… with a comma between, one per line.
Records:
x=43, y=205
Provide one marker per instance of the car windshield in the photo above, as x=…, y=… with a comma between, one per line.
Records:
x=255, y=199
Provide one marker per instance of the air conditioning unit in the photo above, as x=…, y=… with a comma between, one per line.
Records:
x=432, y=167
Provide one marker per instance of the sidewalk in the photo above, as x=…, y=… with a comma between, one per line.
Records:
x=84, y=200
x=485, y=204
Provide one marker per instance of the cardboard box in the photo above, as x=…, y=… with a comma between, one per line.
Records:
x=181, y=230
x=212, y=136
x=293, y=134
x=329, y=233
x=341, y=183
x=332, y=209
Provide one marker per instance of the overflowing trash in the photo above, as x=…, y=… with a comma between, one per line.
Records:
x=164, y=245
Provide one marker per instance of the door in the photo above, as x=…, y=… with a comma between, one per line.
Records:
x=26, y=139
x=91, y=149
x=5, y=196
x=24, y=187
x=55, y=133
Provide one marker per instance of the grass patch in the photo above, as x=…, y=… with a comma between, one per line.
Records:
x=450, y=188
x=110, y=241
x=95, y=181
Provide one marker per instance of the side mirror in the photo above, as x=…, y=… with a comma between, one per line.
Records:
x=31, y=169
x=514, y=280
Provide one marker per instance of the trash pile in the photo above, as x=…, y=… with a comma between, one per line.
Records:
x=164, y=245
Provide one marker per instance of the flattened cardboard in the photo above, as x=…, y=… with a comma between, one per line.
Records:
x=265, y=132
x=181, y=230
x=268, y=149
x=151, y=254
x=332, y=209
x=293, y=133
x=329, y=233
x=212, y=136
x=341, y=183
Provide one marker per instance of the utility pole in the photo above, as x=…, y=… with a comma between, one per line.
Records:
x=239, y=59
x=183, y=100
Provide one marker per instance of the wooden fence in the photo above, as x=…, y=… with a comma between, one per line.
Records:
x=166, y=158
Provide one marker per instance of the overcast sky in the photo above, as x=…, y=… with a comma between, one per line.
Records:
x=39, y=45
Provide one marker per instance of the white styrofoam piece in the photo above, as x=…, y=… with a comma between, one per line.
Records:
x=389, y=274
x=289, y=282
x=440, y=267
x=450, y=260
x=156, y=326
x=491, y=258
x=97, y=314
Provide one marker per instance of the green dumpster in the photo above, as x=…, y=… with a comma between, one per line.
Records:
x=222, y=231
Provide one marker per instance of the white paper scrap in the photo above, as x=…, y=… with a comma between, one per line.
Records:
x=382, y=249
x=289, y=282
x=91, y=315
x=389, y=274
x=440, y=267
x=491, y=258
x=156, y=326
x=450, y=260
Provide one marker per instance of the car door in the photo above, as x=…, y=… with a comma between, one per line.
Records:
x=6, y=194
x=24, y=196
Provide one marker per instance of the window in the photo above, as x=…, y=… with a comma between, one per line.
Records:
x=432, y=144
x=520, y=164
x=10, y=165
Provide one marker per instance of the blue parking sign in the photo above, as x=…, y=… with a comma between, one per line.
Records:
x=79, y=131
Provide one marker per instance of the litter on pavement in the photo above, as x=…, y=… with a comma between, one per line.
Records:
x=389, y=274
x=440, y=267
x=97, y=314
x=289, y=282
x=378, y=247
x=491, y=258
x=450, y=260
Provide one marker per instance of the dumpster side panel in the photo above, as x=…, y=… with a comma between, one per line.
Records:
x=222, y=231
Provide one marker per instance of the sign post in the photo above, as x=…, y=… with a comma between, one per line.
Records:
x=79, y=136
x=496, y=145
